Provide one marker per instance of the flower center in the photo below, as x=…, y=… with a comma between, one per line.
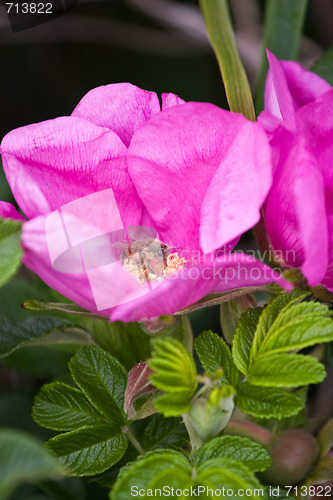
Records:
x=150, y=260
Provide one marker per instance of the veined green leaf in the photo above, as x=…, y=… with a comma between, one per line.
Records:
x=173, y=404
x=269, y=315
x=171, y=469
x=299, y=333
x=164, y=433
x=102, y=379
x=10, y=248
x=222, y=472
x=146, y=471
x=286, y=370
x=243, y=338
x=61, y=407
x=88, y=450
x=214, y=353
x=14, y=334
x=174, y=367
x=266, y=402
x=242, y=449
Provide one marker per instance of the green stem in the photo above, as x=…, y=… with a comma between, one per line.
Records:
x=131, y=437
x=219, y=28
x=209, y=301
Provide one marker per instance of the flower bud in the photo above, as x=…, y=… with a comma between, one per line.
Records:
x=293, y=454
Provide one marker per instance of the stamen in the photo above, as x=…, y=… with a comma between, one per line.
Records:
x=151, y=261
x=174, y=263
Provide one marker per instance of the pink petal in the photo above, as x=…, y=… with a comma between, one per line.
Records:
x=311, y=215
x=170, y=100
x=75, y=257
x=52, y=163
x=328, y=278
x=172, y=160
x=296, y=226
x=290, y=87
x=232, y=202
x=278, y=99
x=121, y=107
x=194, y=282
x=8, y=211
x=36, y=257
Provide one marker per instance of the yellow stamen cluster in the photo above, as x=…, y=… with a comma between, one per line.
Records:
x=174, y=263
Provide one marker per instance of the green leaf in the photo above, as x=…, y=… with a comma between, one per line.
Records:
x=178, y=328
x=219, y=28
x=286, y=370
x=63, y=408
x=102, y=379
x=67, y=308
x=282, y=31
x=174, y=368
x=325, y=438
x=164, y=433
x=108, y=477
x=251, y=454
x=143, y=473
x=222, y=472
x=322, y=473
x=89, y=450
x=270, y=313
x=127, y=342
x=22, y=458
x=231, y=311
x=172, y=470
x=214, y=353
x=298, y=333
x=14, y=334
x=173, y=404
x=242, y=342
x=324, y=66
x=10, y=248
x=265, y=402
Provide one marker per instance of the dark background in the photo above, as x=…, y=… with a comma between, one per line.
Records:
x=45, y=70
x=158, y=45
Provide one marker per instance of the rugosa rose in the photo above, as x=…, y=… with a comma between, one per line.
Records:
x=298, y=117
x=195, y=174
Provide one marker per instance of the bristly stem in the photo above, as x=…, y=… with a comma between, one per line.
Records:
x=215, y=300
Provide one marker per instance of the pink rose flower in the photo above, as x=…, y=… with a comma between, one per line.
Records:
x=196, y=175
x=298, y=117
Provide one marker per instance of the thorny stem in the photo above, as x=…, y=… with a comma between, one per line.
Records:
x=208, y=302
